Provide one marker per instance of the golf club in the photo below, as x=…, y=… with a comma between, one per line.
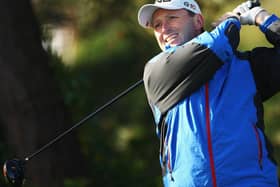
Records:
x=13, y=170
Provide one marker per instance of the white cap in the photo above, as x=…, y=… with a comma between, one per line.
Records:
x=146, y=12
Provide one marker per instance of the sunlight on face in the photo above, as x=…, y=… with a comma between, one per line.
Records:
x=174, y=27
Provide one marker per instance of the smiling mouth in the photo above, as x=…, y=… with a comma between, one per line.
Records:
x=170, y=38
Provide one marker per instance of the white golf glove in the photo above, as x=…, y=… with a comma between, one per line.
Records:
x=247, y=15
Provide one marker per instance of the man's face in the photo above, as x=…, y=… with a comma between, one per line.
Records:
x=175, y=27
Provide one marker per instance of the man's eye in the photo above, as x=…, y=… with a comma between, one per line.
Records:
x=155, y=26
x=173, y=17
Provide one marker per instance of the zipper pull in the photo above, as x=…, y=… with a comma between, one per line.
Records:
x=171, y=177
x=260, y=164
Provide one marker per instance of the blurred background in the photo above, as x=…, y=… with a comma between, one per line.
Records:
x=60, y=60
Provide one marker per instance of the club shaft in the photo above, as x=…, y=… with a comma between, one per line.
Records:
x=85, y=119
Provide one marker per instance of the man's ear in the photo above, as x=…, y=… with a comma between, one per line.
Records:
x=199, y=22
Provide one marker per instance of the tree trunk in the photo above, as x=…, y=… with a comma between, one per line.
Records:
x=32, y=111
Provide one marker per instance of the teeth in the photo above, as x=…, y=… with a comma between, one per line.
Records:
x=171, y=36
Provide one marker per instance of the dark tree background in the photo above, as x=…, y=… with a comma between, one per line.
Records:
x=32, y=110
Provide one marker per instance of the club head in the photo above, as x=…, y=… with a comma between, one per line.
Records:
x=254, y=3
x=13, y=171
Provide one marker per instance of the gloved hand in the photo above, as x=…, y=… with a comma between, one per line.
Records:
x=247, y=15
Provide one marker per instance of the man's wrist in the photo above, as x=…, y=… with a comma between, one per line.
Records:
x=261, y=17
x=267, y=22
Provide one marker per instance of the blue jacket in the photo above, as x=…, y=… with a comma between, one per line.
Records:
x=213, y=136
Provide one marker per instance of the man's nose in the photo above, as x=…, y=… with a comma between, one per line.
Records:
x=164, y=27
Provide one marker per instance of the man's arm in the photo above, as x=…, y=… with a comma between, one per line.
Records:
x=270, y=25
x=178, y=72
x=265, y=62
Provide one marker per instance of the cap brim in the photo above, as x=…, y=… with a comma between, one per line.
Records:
x=146, y=12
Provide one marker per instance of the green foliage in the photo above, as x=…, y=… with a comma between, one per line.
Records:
x=272, y=120
x=76, y=183
x=108, y=43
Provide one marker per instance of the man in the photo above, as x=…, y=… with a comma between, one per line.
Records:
x=207, y=97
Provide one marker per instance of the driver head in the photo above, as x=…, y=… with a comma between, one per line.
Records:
x=13, y=171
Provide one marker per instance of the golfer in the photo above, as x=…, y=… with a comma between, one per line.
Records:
x=206, y=96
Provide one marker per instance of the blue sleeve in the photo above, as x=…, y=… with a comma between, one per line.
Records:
x=271, y=29
x=264, y=27
x=223, y=40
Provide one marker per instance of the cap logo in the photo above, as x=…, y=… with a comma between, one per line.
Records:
x=162, y=1
x=190, y=5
